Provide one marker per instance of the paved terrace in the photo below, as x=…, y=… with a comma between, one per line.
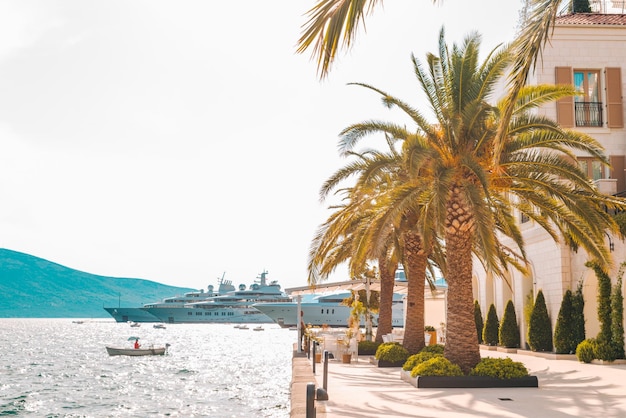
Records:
x=567, y=388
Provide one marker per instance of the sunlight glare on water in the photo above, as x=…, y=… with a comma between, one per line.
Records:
x=57, y=368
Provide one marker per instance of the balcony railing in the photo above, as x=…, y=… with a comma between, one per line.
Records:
x=588, y=113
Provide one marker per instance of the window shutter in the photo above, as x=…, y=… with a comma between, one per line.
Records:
x=614, y=107
x=617, y=171
x=565, y=106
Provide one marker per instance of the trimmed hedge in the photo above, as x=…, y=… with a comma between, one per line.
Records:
x=508, y=335
x=491, y=328
x=540, y=327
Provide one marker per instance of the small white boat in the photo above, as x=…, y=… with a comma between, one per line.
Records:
x=134, y=324
x=158, y=326
x=237, y=326
x=150, y=351
x=243, y=326
x=259, y=328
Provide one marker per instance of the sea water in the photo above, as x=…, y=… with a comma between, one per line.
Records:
x=59, y=368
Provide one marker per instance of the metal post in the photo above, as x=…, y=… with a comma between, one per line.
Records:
x=314, y=344
x=325, y=384
x=299, y=323
x=310, y=400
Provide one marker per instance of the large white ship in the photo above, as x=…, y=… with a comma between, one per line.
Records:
x=324, y=309
x=140, y=314
x=235, y=306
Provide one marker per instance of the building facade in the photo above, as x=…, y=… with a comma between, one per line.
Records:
x=588, y=51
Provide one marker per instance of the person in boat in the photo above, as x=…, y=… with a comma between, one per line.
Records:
x=137, y=345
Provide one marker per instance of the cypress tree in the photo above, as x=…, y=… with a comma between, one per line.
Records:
x=617, y=319
x=490, y=330
x=564, y=333
x=509, y=329
x=540, y=327
x=581, y=6
x=604, y=303
x=578, y=315
x=478, y=319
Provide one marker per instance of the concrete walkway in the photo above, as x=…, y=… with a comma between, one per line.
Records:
x=567, y=388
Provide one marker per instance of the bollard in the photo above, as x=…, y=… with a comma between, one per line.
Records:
x=314, y=344
x=325, y=380
x=310, y=400
x=322, y=393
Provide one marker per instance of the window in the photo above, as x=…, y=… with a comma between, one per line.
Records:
x=587, y=106
x=592, y=167
x=588, y=109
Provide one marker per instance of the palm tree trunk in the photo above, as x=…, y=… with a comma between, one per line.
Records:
x=415, y=260
x=461, y=344
x=387, y=277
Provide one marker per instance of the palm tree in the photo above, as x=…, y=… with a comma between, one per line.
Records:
x=331, y=22
x=384, y=230
x=470, y=182
x=345, y=237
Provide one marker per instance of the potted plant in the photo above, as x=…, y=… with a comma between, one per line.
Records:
x=346, y=355
x=430, y=335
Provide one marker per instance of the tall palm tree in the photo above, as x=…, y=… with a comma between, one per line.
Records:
x=333, y=24
x=382, y=231
x=345, y=236
x=464, y=192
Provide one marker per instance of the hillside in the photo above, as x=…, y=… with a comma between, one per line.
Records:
x=32, y=287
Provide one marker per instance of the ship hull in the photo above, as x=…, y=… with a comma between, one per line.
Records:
x=319, y=314
x=226, y=315
x=131, y=315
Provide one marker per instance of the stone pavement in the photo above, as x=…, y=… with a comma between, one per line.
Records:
x=567, y=388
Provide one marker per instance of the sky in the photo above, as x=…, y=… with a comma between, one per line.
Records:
x=185, y=141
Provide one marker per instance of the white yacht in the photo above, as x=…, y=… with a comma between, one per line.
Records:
x=235, y=306
x=140, y=314
x=324, y=309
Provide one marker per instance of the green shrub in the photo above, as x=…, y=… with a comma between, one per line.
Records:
x=368, y=348
x=436, y=348
x=604, y=350
x=502, y=368
x=540, y=327
x=508, y=335
x=491, y=328
x=617, y=316
x=604, y=301
x=585, y=351
x=581, y=6
x=578, y=315
x=436, y=366
x=419, y=358
x=478, y=320
x=564, y=333
x=392, y=352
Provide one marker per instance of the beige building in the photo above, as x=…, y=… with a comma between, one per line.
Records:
x=587, y=50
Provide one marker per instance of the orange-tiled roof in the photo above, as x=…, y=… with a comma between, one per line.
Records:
x=592, y=19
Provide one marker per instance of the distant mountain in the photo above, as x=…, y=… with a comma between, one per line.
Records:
x=32, y=287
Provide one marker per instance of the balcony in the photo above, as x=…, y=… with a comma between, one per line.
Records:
x=606, y=186
x=588, y=113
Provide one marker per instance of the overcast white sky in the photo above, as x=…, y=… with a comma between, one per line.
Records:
x=176, y=141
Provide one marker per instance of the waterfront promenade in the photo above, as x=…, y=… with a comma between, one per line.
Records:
x=567, y=388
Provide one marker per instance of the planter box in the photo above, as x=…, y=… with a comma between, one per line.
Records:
x=604, y=362
x=475, y=382
x=548, y=355
x=488, y=347
x=507, y=350
x=405, y=376
x=384, y=363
